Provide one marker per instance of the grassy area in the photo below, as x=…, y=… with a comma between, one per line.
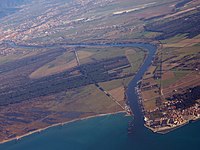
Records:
x=180, y=52
x=174, y=39
x=23, y=54
x=88, y=99
x=101, y=53
x=149, y=34
x=116, y=85
x=177, y=53
x=61, y=63
x=112, y=84
x=197, y=44
x=149, y=94
x=4, y=59
x=177, y=76
x=150, y=104
x=136, y=59
x=134, y=55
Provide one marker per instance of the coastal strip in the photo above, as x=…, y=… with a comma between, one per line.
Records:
x=59, y=124
x=139, y=45
x=165, y=130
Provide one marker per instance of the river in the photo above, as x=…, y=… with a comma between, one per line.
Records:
x=110, y=132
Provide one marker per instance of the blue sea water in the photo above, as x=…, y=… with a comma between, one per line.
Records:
x=108, y=133
x=111, y=132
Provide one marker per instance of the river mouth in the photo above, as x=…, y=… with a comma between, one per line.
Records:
x=131, y=94
x=110, y=131
x=107, y=132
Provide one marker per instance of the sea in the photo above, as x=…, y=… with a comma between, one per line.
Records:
x=113, y=132
x=108, y=133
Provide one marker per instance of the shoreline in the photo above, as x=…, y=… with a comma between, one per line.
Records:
x=58, y=124
x=78, y=119
x=165, y=130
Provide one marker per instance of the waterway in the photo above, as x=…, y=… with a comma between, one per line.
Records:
x=110, y=132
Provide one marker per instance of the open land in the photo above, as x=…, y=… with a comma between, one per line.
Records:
x=170, y=88
x=45, y=80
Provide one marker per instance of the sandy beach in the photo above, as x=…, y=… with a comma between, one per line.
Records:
x=58, y=124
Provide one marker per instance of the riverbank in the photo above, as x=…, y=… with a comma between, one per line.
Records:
x=150, y=97
x=58, y=124
x=151, y=49
x=23, y=129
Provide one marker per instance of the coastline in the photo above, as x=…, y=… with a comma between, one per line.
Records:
x=78, y=119
x=165, y=130
x=84, y=118
x=59, y=124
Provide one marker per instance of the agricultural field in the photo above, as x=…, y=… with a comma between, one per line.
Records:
x=180, y=69
x=61, y=63
x=52, y=109
x=54, y=84
x=45, y=79
x=171, y=84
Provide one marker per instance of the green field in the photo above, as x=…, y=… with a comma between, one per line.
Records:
x=61, y=63
x=88, y=99
x=178, y=75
